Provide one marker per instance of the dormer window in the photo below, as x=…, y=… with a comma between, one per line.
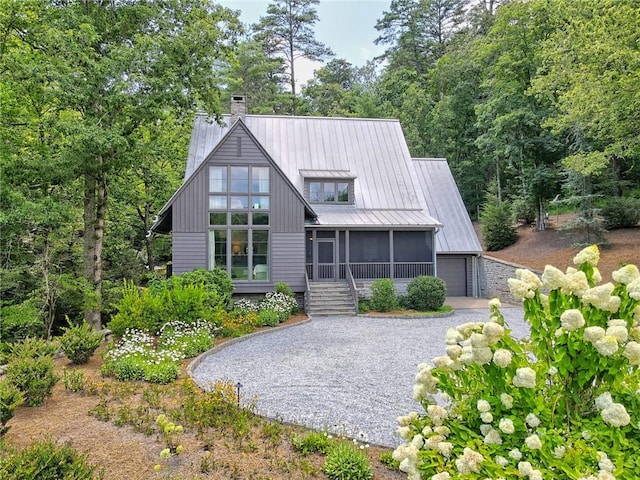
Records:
x=329, y=191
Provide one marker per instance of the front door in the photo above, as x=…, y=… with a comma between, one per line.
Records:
x=326, y=259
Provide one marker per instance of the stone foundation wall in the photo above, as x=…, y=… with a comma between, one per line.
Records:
x=494, y=274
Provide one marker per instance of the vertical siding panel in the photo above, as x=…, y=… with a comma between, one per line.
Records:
x=188, y=251
x=288, y=259
x=190, y=208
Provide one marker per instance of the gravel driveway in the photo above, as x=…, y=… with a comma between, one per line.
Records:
x=349, y=375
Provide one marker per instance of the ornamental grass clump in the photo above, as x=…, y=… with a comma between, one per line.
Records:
x=561, y=404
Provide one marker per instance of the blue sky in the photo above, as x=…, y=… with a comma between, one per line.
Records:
x=346, y=26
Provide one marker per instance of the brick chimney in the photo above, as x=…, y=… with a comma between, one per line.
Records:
x=238, y=107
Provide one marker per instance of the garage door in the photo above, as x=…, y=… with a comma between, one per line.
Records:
x=453, y=270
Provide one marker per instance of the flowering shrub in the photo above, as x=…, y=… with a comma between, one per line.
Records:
x=564, y=403
x=280, y=303
x=136, y=358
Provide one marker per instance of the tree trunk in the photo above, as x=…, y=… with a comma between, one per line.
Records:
x=148, y=240
x=95, y=205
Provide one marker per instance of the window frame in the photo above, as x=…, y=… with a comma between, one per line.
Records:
x=318, y=194
x=254, y=201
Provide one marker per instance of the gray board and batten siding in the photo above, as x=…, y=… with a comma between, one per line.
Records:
x=190, y=214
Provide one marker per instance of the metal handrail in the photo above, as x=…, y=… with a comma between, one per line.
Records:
x=306, y=292
x=352, y=286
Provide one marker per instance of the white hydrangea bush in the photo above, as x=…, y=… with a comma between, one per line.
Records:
x=561, y=404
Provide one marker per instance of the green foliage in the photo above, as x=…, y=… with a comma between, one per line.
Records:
x=497, y=227
x=346, y=462
x=10, y=399
x=312, y=442
x=383, y=295
x=284, y=288
x=386, y=458
x=426, y=293
x=73, y=380
x=137, y=309
x=187, y=300
x=46, y=460
x=523, y=210
x=21, y=321
x=136, y=358
x=621, y=212
x=32, y=348
x=79, y=342
x=268, y=318
x=33, y=376
x=217, y=284
x=364, y=305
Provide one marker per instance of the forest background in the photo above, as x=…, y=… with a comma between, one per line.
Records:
x=533, y=103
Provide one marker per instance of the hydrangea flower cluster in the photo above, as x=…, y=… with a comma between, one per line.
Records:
x=563, y=403
x=275, y=301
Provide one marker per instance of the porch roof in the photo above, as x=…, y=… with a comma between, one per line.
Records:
x=345, y=216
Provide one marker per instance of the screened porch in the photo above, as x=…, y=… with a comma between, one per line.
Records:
x=369, y=254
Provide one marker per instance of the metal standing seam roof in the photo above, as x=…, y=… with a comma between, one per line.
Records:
x=442, y=194
x=391, y=189
x=373, y=151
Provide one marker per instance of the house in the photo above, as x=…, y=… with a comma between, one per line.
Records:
x=311, y=201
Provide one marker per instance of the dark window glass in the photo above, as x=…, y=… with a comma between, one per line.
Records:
x=218, y=218
x=217, y=249
x=329, y=192
x=326, y=234
x=260, y=258
x=239, y=255
x=343, y=192
x=261, y=218
x=239, y=219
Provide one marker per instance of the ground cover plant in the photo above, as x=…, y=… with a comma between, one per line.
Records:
x=562, y=404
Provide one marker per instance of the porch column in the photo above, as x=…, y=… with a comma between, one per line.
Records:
x=391, y=259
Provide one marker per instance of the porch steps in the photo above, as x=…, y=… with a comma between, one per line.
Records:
x=330, y=298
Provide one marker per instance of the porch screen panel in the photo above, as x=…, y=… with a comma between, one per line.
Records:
x=368, y=247
x=412, y=247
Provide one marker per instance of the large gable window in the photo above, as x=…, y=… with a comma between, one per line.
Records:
x=239, y=202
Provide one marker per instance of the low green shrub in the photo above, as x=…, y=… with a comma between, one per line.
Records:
x=383, y=295
x=283, y=287
x=34, y=377
x=10, y=399
x=426, y=293
x=621, y=212
x=386, y=458
x=45, y=460
x=73, y=380
x=21, y=321
x=268, y=318
x=32, y=348
x=178, y=298
x=346, y=462
x=364, y=305
x=312, y=442
x=78, y=342
x=138, y=309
